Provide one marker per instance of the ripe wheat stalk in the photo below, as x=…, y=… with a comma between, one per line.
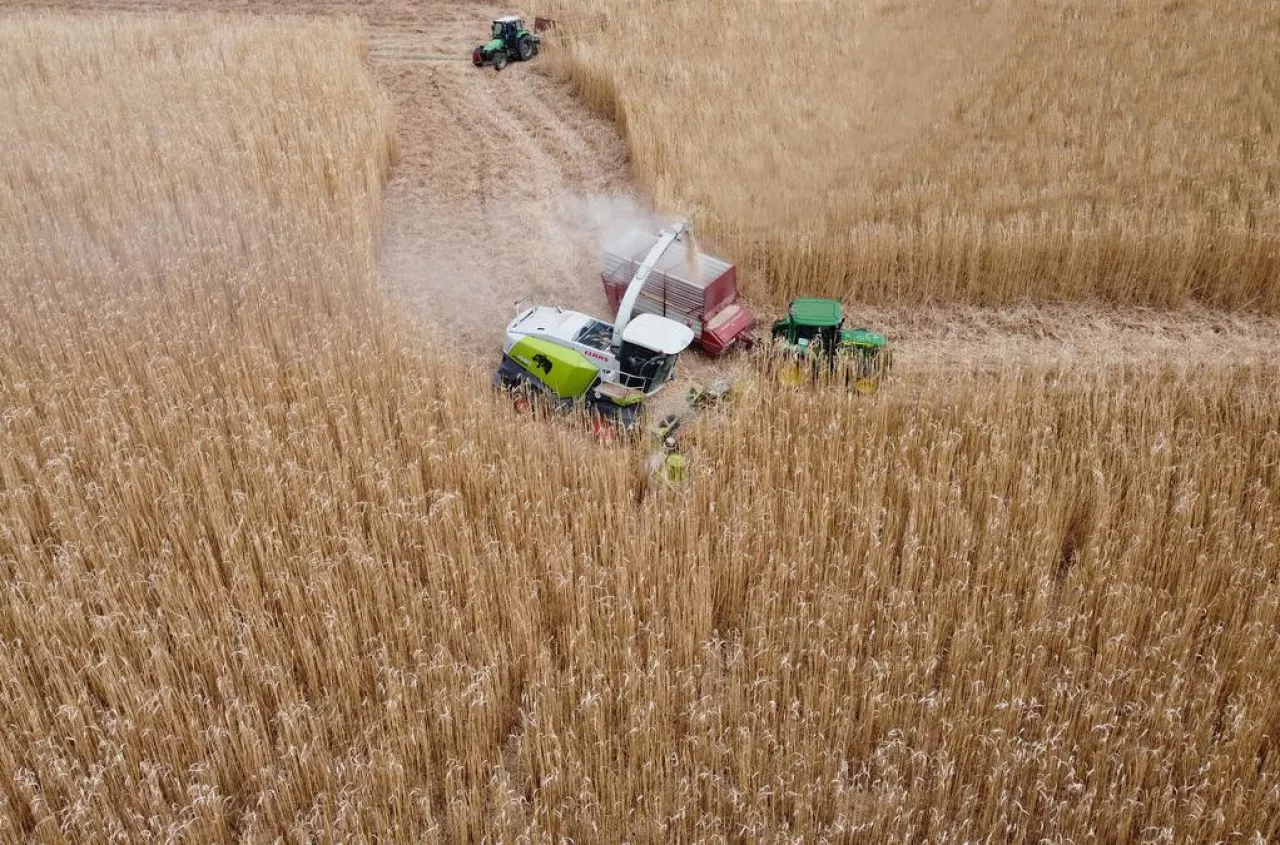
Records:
x=935, y=152
x=272, y=567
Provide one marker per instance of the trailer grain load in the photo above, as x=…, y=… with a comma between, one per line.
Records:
x=695, y=289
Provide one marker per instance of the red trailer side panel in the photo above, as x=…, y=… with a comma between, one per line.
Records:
x=719, y=333
x=696, y=289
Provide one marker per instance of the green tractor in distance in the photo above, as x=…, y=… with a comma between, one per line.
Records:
x=813, y=334
x=510, y=41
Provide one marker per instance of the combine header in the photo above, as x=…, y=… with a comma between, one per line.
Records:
x=571, y=26
x=681, y=284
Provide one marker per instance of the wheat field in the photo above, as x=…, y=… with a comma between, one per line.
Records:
x=273, y=566
x=984, y=152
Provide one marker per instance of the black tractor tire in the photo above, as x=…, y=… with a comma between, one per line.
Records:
x=526, y=49
x=499, y=59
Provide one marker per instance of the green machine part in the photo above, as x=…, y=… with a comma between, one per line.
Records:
x=808, y=317
x=565, y=372
x=862, y=339
x=819, y=313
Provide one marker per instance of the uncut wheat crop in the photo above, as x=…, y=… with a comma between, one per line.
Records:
x=274, y=566
x=935, y=151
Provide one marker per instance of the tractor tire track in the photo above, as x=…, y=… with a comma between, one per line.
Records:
x=488, y=159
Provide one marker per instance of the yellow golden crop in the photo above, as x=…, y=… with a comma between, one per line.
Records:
x=271, y=568
x=935, y=151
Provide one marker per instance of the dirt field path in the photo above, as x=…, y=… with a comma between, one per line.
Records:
x=501, y=185
x=507, y=185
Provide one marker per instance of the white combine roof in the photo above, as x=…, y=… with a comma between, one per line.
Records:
x=658, y=333
x=546, y=319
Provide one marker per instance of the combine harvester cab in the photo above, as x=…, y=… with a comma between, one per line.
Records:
x=691, y=288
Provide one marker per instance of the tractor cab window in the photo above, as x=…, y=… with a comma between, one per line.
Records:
x=805, y=333
x=497, y=29
x=825, y=335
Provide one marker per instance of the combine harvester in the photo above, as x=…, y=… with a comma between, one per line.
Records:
x=572, y=359
x=682, y=284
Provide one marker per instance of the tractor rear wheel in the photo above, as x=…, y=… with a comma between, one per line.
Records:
x=793, y=373
x=526, y=49
x=499, y=59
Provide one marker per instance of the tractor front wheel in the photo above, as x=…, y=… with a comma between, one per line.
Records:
x=526, y=49
x=499, y=60
x=793, y=373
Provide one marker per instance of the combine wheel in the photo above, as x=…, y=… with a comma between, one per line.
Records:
x=526, y=49
x=602, y=429
x=522, y=399
x=499, y=59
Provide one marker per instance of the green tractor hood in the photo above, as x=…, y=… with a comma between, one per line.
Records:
x=495, y=44
x=862, y=338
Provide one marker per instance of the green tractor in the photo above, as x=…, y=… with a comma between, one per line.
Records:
x=510, y=41
x=813, y=336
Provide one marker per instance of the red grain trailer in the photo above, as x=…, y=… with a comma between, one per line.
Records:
x=699, y=291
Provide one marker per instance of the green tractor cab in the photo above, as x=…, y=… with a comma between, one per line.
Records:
x=814, y=329
x=811, y=324
x=510, y=40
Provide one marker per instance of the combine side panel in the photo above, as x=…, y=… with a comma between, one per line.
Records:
x=566, y=372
